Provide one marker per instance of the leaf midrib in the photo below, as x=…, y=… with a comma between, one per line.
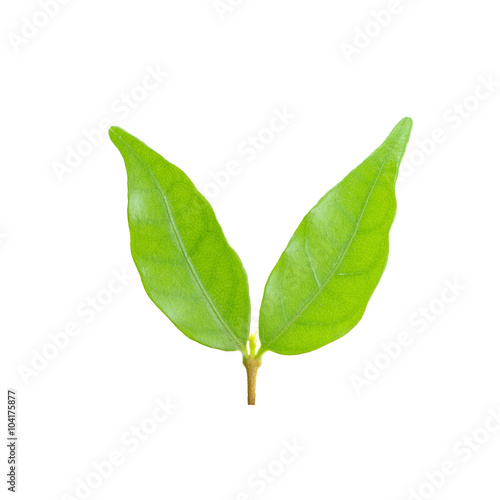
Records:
x=333, y=272
x=178, y=238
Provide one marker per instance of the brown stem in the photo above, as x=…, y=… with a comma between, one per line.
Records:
x=252, y=365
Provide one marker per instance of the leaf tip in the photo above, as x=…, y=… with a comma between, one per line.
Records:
x=401, y=132
x=115, y=133
x=405, y=124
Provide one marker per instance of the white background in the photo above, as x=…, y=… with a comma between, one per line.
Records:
x=62, y=238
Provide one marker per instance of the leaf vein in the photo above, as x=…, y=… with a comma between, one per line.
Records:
x=339, y=261
x=186, y=256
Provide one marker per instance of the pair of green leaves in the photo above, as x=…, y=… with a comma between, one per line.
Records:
x=318, y=290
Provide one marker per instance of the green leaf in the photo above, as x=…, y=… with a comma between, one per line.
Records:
x=323, y=281
x=186, y=264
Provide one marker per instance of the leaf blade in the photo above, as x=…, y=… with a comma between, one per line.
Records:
x=186, y=264
x=321, y=285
